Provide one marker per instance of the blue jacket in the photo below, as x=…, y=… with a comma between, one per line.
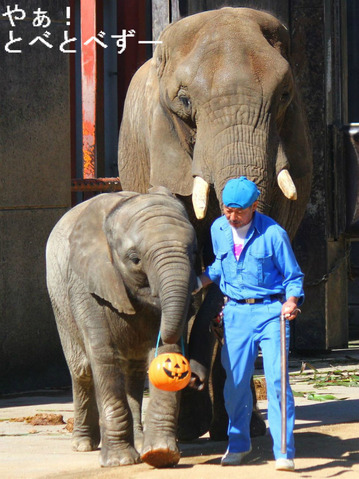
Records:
x=266, y=266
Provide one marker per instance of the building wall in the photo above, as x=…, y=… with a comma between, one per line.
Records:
x=35, y=160
x=34, y=193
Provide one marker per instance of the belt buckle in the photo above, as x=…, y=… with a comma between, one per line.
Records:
x=250, y=301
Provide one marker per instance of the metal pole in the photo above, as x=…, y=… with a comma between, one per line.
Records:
x=89, y=87
x=283, y=379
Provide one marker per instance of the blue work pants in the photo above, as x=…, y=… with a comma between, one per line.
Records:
x=247, y=326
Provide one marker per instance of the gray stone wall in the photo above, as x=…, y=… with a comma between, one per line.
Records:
x=34, y=192
x=35, y=181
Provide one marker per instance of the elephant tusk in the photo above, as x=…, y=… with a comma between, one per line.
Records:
x=200, y=197
x=287, y=185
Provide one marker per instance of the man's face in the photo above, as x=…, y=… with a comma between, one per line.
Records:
x=238, y=217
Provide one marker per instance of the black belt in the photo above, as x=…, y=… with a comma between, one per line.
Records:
x=273, y=297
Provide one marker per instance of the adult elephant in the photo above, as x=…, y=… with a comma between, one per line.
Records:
x=119, y=270
x=218, y=100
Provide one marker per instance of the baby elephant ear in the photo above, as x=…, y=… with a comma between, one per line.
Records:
x=90, y=256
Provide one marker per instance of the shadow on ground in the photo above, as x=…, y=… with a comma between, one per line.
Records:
x=36, y=398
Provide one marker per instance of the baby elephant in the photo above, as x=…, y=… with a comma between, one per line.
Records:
x=119, y=270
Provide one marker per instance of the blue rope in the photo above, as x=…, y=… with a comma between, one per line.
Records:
x=158, y=342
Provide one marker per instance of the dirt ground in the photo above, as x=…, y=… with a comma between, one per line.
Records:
x=324, y=451
x=326, y=434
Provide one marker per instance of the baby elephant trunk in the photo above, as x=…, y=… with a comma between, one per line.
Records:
x=175, y=287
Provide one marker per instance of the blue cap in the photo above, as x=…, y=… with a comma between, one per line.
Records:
x=240, y=193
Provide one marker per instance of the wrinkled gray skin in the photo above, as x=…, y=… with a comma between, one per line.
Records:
x=119, y=269
x=217, y=101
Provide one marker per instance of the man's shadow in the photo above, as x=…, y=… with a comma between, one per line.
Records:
x=341, y=452
x=309, y=444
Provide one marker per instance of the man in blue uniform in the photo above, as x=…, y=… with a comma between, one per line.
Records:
x=256, y=269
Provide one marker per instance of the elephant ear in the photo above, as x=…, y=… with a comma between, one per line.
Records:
x=171, y=161
x=295, y=155
x=90, y=254
x=273, y=30
x=171, y=165
x=295, y=146
x=294, y=151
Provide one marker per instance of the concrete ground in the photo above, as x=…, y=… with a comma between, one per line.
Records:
x=326, y=433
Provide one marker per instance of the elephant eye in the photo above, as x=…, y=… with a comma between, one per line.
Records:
x=185, y=101
x=285, y=97
x=133, y=257
x=183, y=108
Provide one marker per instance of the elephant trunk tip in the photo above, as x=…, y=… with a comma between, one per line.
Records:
x=170, y=338
x=170, y=335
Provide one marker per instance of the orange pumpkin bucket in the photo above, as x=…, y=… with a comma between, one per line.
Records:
x=169, y=371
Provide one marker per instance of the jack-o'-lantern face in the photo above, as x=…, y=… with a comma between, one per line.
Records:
x=170, y=372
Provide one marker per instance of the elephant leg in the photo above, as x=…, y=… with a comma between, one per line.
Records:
x=258, y=425
x=219, y=425
x=135, y=384
x=196, y=405
x=160, y=437
x=195, y=413
x=160, y=444
x=86, y=432
x=117, y=441
x=109, y=373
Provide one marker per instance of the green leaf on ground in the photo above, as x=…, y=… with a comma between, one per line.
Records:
x=299, y=394
x=322, y=397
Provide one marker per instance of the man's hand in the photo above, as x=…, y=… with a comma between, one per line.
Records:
x=290, y=309
x=202, y=282
x=199, y=285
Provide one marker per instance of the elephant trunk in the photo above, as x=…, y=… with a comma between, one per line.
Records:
x=241, y=150
x=175, y=278
x=237, y=150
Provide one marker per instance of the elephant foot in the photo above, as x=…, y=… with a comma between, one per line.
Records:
x=119, y=457
x=162, y=454
x=138, y=439
x=219, y=425
x=195, y=414
x=84, y=443
x=258, y=425
x=218, y=429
